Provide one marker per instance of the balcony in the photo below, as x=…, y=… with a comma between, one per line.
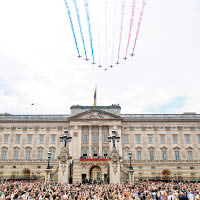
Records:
x=93, y=159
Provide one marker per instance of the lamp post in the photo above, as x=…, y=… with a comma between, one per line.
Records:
x=65, y=138
x=48, y=169
x=131, y=171
x=113, y=138
x=49, y=157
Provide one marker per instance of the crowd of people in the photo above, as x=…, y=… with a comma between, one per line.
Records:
x=137, y=191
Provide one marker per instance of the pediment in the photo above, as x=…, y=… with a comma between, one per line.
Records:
x=95, y=114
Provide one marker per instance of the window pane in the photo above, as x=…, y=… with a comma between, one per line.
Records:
x=199, y=138
x=105, y=138
x=52, y=155
x=164, y=155
x=4, y=155
x=15, y=155
x=85, y=138
x=94, y=152
x=187, y=139
x=151, y=155
x=41, y=138
x=139, y=157
x=53, y=139
x=28, y=153
x=189, y=155
x=6, y=139
x=40, y=155
x=175, y=139
x=138, y=139
x=29, y=138
x=95, y=139
x=150, y=138
x=177, y=155
x=17, y=139
x=126, y=139
x=162, y=137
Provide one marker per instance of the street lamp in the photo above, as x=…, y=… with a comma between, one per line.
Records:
x=131, y=171
x=113, y=138
x=49, y=157
x=65, y=138
x=130, y=157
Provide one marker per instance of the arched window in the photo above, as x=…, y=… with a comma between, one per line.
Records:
x=4, y=153
x=28, y=153
x=16, y=153
x=40, y=153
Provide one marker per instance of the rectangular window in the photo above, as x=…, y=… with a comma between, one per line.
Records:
x=53, y=139
x=95, y=139
x=150, y=139
x=52, y=155
x=28, y=155
x=164, y=155
x=138, y=139
x=5, y=139
x=139, y=155
x=177, y=155
x=3, y=155
x=29, y=139
x=15, y=155
x=41, y=138
x=126, y=156
x=40, y=155
x=189, y=155
x=187, y=139
x=105, y=153
x=85, y=152
x=85, y=139
x=105, y=139
x=94, y=152
x=199, y=139
x=17, y=139
x=126, y=139
x=151, y=155
x=175, y=140
x=162, y=139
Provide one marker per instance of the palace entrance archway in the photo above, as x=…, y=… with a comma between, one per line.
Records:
x=95, y=173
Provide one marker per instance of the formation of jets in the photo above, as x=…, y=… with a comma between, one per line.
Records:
x=100, y=66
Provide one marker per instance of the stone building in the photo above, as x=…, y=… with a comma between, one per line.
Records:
x=163, y=146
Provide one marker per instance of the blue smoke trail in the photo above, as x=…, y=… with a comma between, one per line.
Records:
x=72, y=27
x=80, y=28
x=89, y=28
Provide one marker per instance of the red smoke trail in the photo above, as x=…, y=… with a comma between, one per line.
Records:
x=131, y=25
x=121, y=28
x=139, y=23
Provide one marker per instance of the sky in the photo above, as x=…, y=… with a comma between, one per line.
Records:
x=39, y=64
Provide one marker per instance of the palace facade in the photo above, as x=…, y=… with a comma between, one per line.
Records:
x=163, y=146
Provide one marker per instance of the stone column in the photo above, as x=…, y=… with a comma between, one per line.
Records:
x=90, y=141
x=114, y=166
x=131, y=177
x=79, y=140
x=47, y=175
x=63, y=168
x=100, y=141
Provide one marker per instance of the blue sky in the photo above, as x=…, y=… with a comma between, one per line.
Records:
x=38, y=60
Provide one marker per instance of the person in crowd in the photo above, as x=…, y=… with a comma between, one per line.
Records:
x=99, y=191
